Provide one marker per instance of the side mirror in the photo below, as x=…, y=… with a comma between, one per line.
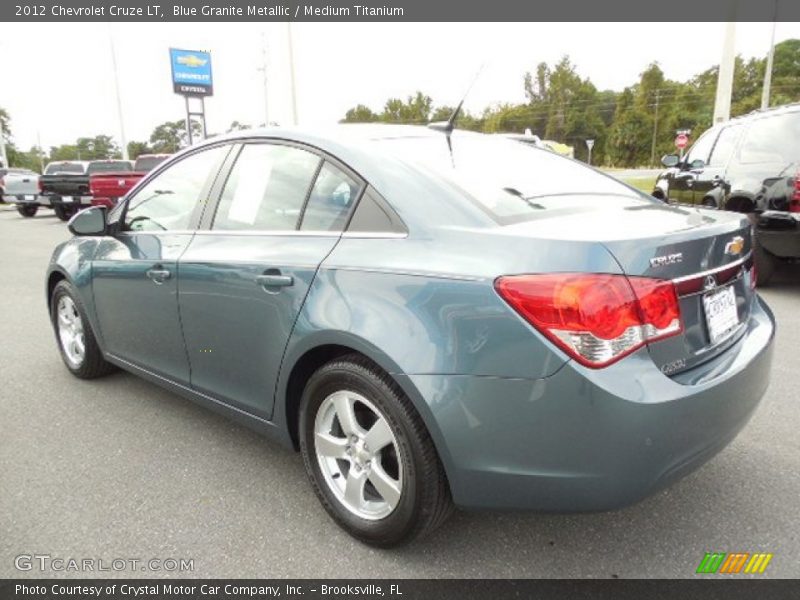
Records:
x=697, y=164
x=91, y=221
x=670, y=160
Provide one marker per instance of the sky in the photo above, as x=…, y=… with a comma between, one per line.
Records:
x=59, y=85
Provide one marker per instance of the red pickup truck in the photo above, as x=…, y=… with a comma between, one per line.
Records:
x=108, y=187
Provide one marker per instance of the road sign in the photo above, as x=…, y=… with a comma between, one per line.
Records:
x=590, y=144
x=681, y=140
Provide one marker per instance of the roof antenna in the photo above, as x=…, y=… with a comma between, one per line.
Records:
x=447, y=127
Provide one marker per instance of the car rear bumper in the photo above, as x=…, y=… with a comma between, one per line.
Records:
x=24, y=199
x=586, y=439
x=55, y=200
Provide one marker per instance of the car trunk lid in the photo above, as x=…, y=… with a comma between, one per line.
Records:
x=706, y=253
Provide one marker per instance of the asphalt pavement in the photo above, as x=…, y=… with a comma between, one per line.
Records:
x=119, y=468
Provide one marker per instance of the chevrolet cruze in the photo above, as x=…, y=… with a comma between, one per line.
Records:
x=433, y=318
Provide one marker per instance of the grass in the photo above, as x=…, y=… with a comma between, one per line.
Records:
x=645, y=184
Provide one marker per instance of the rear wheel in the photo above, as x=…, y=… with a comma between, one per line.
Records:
x=27, y=210
x=64, y=212
x=74, y=334
x=370, y=459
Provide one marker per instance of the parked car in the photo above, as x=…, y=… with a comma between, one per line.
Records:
x=64, y=186
x=430, y=321
x=107, y=187
x=750, y=164
x=19, y=186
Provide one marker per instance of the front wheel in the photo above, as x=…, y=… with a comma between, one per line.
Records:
x=27, y=210
x=74, y=334
x=370, y=459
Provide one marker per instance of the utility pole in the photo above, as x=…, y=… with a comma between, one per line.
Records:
x=770, y=57
x=655, y=130
x=263, y=69
x=119, y=99
x=40, y=153
x=291, y=72
x=722, y=105
x=3, y=155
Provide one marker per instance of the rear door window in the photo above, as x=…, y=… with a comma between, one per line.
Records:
x=773, y=139
x=332, y=196
x=267, y=189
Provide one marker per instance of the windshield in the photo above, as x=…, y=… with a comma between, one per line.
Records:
x=110, y=165
x=147, y=163
x=503, y=176
x=68, y=167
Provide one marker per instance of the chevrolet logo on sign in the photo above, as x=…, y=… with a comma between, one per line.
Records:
x=190, y=60
x=735, y=246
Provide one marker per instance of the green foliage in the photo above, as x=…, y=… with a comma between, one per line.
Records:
x=135, y=149
x=562, y=106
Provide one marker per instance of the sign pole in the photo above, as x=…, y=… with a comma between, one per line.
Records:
x=188, y=121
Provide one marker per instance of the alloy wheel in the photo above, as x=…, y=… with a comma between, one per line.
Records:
x=358, y=455
x=70, y=331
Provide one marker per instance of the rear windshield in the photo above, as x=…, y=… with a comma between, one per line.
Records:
x=110, y=165
x=54, y=168
x=147, y=163
x=503, y=176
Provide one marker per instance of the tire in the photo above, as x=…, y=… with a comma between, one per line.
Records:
x=89, y=363
x=408, y=459
x=27, y=210
x=709, y=203
x=766, y=263
x=64, y=212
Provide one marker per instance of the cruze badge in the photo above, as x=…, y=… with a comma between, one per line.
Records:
x=667, y=259
x=735, y=246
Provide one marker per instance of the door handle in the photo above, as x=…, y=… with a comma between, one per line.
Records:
x=274, y=279
x=158, y=274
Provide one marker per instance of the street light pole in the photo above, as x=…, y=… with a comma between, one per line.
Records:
x=291, y=72
x=263, y=69
x=768, y=71
x=722, y=105
x=119, y=99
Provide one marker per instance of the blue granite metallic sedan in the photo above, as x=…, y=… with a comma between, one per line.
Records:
x=433, y=318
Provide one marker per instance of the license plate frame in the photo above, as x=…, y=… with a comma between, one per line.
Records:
x=721, y=313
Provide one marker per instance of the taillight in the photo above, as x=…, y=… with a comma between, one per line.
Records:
x=40, y=185
x=794, y=201
x=753, y=276
x=595, y=318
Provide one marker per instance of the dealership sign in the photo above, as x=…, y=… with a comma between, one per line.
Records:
x=191, y=72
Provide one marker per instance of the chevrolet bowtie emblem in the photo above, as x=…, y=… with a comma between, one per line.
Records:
x=735, y=246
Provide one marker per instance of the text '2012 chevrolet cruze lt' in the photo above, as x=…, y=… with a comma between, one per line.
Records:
x=432, y=318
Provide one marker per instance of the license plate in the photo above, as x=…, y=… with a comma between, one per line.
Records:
x=29, y=197
x=721, y=313
x=66, y=198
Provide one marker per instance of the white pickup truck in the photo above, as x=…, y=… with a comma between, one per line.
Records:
x=20, y=187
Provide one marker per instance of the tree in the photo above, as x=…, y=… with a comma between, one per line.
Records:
x=416, y=110
x=170, y=136
x=360, y=114
x=136, y=149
